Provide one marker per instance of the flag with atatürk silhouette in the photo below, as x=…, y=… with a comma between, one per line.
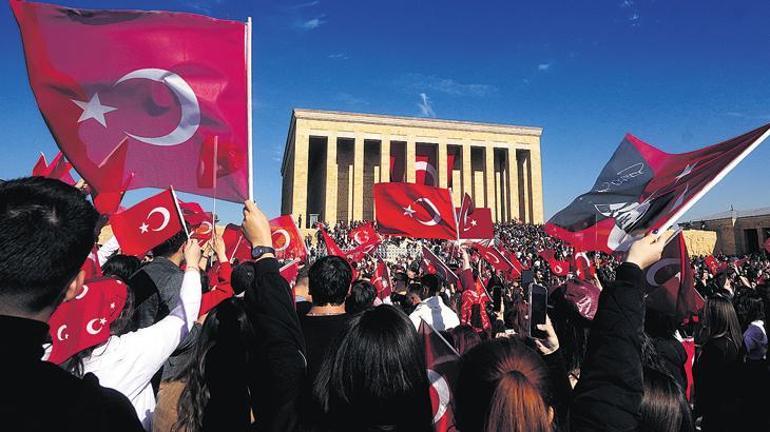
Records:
x=643, y=188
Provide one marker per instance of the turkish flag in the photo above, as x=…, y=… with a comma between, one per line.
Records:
x=582, y=266
x=712, y=264
x=59, y=169
x=443, y=364
x=495, y=258
x=642, y=188
x=518, y=267
x=435, y=265
x=194, y=214
x=115, y=180
x=425, y=169
x=558, y=267
x=84, y=321
x=474, y=223
x=147, y=224
x=584, y=295
x=331, y=245
x=236, y=245
x=167, y=81
x=287, y=241
x=382, y=282
x=415, y=211
x=290, y=272
x=671, y=284
x=91, y=268
x=364, y=234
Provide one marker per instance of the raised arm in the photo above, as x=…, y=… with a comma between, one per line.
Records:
x=609, y=392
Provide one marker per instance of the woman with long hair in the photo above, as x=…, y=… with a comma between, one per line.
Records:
x=503, y=386
x=217, y=393
x=717, y=367
x=374, y=378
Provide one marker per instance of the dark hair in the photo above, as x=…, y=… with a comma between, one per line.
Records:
x=430, y=284
x=720, y=320
x=223, y=342
x=664, y=406
x=330, y=279
x=121, y=266
x=464, y=338
x=171, y=246
x=47, y=229
x=362, y=295
x=242, y=277
x=502, y=386
x=374, y=376
x=659, y=324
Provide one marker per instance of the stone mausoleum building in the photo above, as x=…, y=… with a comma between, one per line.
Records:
x=738, y=231
x=332, y=160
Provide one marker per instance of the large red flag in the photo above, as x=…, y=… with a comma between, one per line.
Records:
x=115, y=181
x=518, y=267
x=287, y=241
x=474, y=223
x=425, y=169
x=642, y=188
x=712, y=264
x=671, y=284
x=236, y=245
x=582, y=266
x=147, y=224
x=415, y=211
x=436, y=265
x=167, y=81
x=331, y=245
x=443, y=364
x=495, y=258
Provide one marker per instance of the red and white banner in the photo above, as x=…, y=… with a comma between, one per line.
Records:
x=415, y=211
x=236, y=245
x=558, y=267
x=382, y=282
x=443, y=364
x=147, y=224
x=287, y=241
x=435, y=265
x=167, y=81
x=671, y=284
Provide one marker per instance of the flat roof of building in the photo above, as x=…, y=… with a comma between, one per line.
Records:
x=763, y=211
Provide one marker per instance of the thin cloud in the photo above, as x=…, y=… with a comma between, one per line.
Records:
x=350, y=100
x=305, y=5
x=543, y=67
x=312, y=24
x=338, y=56
x=426, y=108
x=422, y=83
x=747, y=116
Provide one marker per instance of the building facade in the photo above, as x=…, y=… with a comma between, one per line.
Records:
x=738, y=231
x=332, y=160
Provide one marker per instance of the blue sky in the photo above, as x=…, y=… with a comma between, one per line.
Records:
x=679, y=74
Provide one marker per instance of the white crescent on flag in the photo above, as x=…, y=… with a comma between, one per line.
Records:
x=428, y=205
x=286, y=239
x=190, y=114
x=90, y=326
x=428, y=168
x=166, y=217
x=655, y=268
x=441, y=387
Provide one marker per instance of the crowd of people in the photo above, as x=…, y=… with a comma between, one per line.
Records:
x=197, y=343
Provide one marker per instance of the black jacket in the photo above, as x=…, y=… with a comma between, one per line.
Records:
x=609, y=393
x=40, y=396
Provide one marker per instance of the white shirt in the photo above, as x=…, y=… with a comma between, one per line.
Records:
x=107, y=250
x=436, y=313
x=127, y=363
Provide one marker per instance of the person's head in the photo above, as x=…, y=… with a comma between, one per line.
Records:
x=330, y=279
x=172, y=248
x=303, y=284
x=242, y=277
x=121, y=266
x=664, y=406
x=361, y=298
x=374, y=376
x=223, y=342
x=720, y=320
x=503, y=386
x=658, y=324
x=47, y=229
x=430, y=286
x=464, y=338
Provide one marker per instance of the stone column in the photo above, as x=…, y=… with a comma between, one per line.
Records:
x=513, y=185
x=443, y=173
x=299, y=199
x=536, y=183
x=467, y=171
x=525, y=187
x=489, y=170
x=385, y=160
x=411, y=152
x=330, y=206
x=358, y=178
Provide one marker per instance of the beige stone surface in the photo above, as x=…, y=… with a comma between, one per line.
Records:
x=386, y=129
x=700, y=242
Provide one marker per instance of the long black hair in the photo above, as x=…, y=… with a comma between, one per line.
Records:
x=226, y=329
x=374, y=378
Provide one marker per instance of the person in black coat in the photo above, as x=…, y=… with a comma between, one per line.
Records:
x=47, y=229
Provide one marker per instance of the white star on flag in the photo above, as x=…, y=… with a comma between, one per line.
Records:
x=93, y=109
x=473, y=222
x=408, y=211
x=102, y=321
x=144, y=228
x=686, y=171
